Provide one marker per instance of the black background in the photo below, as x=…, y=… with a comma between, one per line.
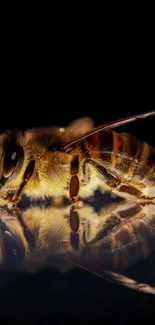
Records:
x=55, y=88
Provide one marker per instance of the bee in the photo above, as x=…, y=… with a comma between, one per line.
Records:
x=118, y=236
x=74, y=162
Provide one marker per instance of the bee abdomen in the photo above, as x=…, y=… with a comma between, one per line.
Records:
x=129, y=161
x=130, y=242
x=130, y=158
x=117, y=151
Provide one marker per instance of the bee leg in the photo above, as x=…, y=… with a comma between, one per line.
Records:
x=74, y=182
x=74, y=188
x=74, y=225
x=73, y=192
x=109, y=178
x=74, y=217
x=113, y=221
x=113, y=181
x=76, y=204
x=86, y=227
x=27, y=233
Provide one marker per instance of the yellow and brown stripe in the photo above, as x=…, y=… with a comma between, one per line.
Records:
x=127, y=156
x=123, y=154
x=132, y=240
x=125, y=149
x=111, y=148
x=90, y=146
x=98, y=146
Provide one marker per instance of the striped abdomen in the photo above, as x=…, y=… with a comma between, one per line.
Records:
x=126, y=237
x=133, y=240
x=131, y=161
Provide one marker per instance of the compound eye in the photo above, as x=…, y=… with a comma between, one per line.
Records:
x=14, y=250
x=12, y=156
x=12, y=245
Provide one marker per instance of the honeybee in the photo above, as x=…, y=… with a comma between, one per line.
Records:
x=111, y=240
x=74, y=162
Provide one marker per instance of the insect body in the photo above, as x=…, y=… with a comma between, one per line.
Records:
x=125, y=165
x=114, y=239
x=75, y=161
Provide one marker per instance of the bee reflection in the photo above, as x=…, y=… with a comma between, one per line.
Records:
x=117, y=237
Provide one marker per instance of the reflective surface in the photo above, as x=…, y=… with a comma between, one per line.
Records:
x=114, y=237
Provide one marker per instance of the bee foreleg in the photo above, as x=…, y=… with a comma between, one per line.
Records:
x=74, y=188
x=73, y=192
x=27, y=233
x=74, y=182
x=74, y=225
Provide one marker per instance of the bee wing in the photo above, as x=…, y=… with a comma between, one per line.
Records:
x=106, y=126
x=115, y=249
x=78, y=127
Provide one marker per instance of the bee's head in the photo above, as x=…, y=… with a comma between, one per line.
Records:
x=13, y=164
